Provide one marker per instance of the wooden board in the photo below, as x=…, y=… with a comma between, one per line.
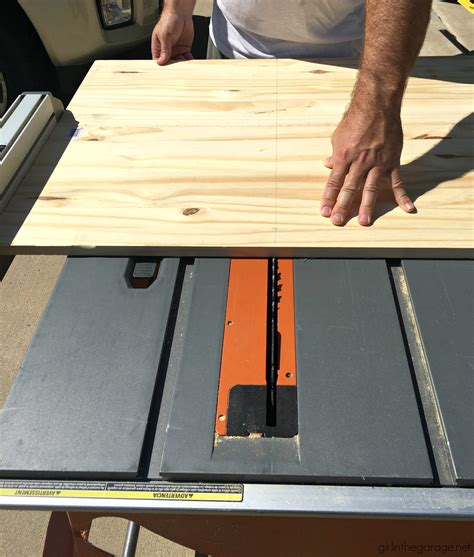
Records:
x=226, y=157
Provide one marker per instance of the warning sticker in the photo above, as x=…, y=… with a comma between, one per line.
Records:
x=124, y=490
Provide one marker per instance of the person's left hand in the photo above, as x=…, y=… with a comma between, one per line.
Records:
x=366, y=156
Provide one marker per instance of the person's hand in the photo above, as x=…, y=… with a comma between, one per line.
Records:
x=366, y=157
x=172, y=38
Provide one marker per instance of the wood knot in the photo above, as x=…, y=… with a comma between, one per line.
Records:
x=190, y=211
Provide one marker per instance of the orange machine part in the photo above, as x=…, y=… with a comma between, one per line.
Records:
x=245, y=334
x=286, y=324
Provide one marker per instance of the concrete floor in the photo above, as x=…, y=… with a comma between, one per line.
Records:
x=23, y=295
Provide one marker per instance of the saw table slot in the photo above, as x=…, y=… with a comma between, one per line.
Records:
x=442, y=296
x=437, y=444
x=156, y=406
x=257, y=387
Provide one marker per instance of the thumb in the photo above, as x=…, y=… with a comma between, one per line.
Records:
x=328, y=162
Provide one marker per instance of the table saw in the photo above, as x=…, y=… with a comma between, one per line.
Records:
x=148, y=388
x=336, y=387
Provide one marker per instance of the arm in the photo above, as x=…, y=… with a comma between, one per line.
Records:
x=173, y=35
x=367, y=143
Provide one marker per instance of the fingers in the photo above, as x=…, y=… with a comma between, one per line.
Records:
x=155, y=46
x=401, y=196
x=182, y=57
x=373, y=183
x=165, y=46
x=162, y=50
x=344, y=183
x=333, y=186
x=172, y=38
x=352, y=183
x=161, y=46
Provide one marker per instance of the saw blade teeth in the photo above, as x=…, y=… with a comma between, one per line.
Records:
x=279, y=285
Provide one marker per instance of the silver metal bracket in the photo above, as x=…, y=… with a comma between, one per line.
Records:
x=24, y=129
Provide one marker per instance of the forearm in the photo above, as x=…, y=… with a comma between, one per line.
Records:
x=394, y=34
x=183, y=7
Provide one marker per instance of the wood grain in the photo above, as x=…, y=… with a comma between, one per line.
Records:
x=226, y=157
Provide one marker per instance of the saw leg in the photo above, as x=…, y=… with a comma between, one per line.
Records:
x=59, y=536
x=68, y=535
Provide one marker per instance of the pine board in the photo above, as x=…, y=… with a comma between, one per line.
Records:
x=225, y=157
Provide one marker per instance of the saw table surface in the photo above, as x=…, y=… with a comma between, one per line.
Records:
x=121, y=383
x=226, y=158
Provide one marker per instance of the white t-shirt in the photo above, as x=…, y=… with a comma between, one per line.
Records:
x=288, y=28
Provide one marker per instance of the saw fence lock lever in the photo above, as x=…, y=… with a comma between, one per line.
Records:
x=142, y=272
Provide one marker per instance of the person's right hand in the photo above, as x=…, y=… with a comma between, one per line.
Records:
x=172, y=38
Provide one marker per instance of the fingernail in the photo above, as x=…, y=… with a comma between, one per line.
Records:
x=326, y=211
x=364, y=219
x=409, y=206
x=337, y=218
